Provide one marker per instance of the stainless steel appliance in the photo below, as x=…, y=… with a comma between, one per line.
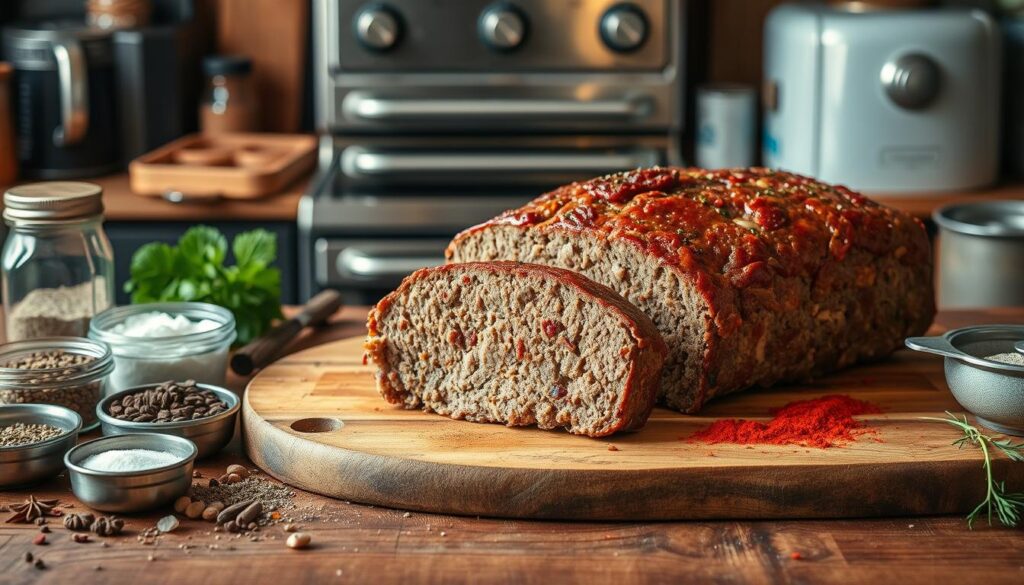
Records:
x=981, y=253
x=150, y=64
x=883, y=100
x=438, y=115
x=64, y=108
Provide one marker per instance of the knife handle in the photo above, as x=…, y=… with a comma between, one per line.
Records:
x=265, y=349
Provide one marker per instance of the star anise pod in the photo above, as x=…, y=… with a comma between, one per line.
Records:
x=31, y=510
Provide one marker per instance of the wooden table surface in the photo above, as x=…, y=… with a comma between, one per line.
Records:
x=361, y=544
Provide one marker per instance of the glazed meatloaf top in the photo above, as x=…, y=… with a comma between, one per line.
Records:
x=732, y=228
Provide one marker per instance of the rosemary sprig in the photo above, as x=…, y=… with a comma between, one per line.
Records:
x=1009, y=508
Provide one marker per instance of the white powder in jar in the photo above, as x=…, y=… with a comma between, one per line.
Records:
x=129, y=460
x=158, y=357
x=159, y=324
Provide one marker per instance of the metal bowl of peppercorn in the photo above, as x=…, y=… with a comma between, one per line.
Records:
x=33, y=441
x=202, y=413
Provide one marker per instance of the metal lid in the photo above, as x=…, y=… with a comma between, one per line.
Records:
x=53, y=30
x=227, y=65
x=53, y=201
x=997, y=219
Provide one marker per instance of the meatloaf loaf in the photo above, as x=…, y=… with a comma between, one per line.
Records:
x=519, y=344
x=752, y=276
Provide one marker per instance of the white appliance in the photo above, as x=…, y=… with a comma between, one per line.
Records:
x=883, y=100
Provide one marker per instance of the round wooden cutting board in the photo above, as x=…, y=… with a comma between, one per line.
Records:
x=314, y=420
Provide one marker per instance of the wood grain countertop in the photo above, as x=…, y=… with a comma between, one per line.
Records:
x=922, y=206
x=123, y=205
x=360, y=544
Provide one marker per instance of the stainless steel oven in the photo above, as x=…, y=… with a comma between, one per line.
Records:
x=438, y=115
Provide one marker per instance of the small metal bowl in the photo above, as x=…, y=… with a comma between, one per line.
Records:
x=27, y=464
x=210, y=434
x=992, y=391
x=131, y=491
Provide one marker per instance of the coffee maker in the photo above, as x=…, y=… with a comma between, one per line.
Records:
x=63, y=96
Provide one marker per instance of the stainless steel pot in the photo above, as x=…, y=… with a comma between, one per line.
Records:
x=981, y=258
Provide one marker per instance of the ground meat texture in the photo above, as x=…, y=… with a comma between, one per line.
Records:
x=752, y=276
x=518, y=344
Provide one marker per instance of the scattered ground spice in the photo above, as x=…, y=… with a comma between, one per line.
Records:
x=272, y=497
x=820, y=422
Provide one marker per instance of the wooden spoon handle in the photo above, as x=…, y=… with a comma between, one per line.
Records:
x=260, y=352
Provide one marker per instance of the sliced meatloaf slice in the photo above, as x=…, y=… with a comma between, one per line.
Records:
x=519, y=344
x=753, y=276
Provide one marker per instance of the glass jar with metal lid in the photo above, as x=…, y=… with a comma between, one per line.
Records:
x=58, y=267
x=67, y=371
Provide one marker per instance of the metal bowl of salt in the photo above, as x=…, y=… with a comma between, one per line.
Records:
x=132, y=487
x=985, y=372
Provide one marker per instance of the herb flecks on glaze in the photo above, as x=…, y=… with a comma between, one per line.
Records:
x=714, y=220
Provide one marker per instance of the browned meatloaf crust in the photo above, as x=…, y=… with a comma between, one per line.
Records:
x=753, y=276
x=519, y=344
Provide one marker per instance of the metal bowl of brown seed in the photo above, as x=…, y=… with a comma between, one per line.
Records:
x=33, y=441
x=203, y=413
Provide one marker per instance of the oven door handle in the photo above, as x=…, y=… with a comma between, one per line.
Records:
x=368, y=107
x=364, y=264
x=357, y=161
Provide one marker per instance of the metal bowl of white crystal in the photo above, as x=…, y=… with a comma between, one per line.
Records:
x=210, y=434
x=22, y=465
x=992, y=390
x=131, y=491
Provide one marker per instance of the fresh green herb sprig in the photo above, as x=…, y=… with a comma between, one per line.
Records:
x=194, y=270
x=1008, y=507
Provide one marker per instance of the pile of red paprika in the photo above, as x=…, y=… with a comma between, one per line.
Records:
x=820, y=422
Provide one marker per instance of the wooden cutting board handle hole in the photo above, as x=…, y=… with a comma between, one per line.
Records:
x=317, y=425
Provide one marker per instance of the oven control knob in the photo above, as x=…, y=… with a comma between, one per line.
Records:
x=623, y=27
x=378, y=27
x=502, y=27
x=912, y=81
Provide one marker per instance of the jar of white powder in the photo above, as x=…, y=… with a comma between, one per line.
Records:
x=156, y=342
x=58, y=266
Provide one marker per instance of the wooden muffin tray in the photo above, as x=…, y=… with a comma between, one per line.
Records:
x=238, y=166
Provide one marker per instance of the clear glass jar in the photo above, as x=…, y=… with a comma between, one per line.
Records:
x=117, y=14
x=58, y=266
x=202, y=356
x=229, y=102
x=78, y=387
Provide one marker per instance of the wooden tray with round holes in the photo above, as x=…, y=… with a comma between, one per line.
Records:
x=205, y=167
x=314, y=420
